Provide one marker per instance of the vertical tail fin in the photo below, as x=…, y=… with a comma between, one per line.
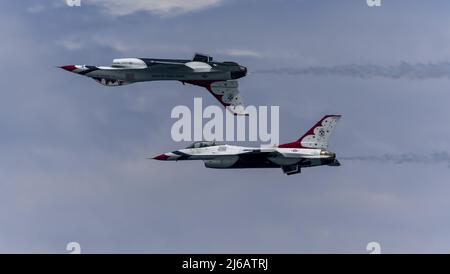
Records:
x=317, y=136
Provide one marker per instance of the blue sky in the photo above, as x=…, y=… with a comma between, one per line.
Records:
x=73, y=165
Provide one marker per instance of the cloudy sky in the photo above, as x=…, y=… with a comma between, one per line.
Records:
x=73, y=155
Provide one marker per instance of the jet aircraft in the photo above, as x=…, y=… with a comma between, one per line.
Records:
x=308, y=151
x=219, y=78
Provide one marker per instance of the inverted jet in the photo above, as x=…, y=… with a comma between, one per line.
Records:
x=219, y=78
x=308, y=151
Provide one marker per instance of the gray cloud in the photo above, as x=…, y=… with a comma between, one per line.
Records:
x=168, y=7
x=403, y=70
x=442, y=157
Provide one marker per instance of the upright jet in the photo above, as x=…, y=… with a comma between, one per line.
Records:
x=219, y=78
x=308, y=151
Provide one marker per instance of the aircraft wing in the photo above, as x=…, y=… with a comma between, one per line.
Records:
x=157, y=62
x=261, y=152
x=226, y=92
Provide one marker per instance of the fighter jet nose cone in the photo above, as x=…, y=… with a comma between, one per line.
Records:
x=239, y=74
x=68, y=67
x=161, y=157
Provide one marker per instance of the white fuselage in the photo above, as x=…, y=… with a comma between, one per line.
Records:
x=226, y=156
x=155, y=74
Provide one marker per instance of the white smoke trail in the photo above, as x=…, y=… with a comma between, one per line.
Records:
x=406, y=158
x=419, y=71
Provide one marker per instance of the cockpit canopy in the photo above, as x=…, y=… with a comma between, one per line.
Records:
x=200, y=57
x=201, y=144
